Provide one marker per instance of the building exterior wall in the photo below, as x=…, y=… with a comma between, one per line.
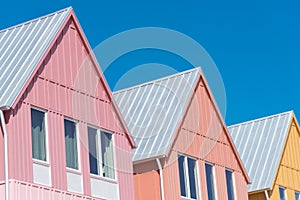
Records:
x=202, y=136
x=257, y=196
x=64, y=87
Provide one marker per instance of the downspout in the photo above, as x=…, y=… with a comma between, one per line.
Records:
x=267, y=195
x=5, y=155
x=161, y=179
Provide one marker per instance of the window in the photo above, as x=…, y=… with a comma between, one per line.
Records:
x=187, y=176
x=282, y=193
x=210, y=181
x=229, y=184
x=71, y=144
x=101, y=151
x=297, y=196
x=38, y=133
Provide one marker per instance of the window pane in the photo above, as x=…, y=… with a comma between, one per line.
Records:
x=38, y=135
x=93, y=150
x=229, y=184
x=71, y=144
x=281, y=193
x=192, y=178
x=210, y=182
x=297, y=196
x=107, y=155
x=182, y=175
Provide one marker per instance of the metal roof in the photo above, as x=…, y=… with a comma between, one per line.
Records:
x=260, y=144
x=153, y=110
x=21, y=48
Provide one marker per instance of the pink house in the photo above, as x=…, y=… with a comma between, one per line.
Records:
x=62, y=136
x=184, y=150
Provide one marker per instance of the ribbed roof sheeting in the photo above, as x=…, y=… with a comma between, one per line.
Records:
x=260, y=144
x=153, y=110
x=21, y=48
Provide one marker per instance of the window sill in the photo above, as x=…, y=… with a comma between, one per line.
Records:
x=187, y=198
x=41, y=162
x=74, y=171
x=103, y=178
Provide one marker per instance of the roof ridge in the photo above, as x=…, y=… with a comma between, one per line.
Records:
x=35, y=19
x=157, y=80
x=260, y=118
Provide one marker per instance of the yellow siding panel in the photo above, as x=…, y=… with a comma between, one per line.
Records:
x=288, y=175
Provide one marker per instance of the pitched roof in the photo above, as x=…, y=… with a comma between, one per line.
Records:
x=153, y=111
x=21, y=48
x=260, y=144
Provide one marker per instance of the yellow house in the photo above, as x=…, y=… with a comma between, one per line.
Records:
x=270, y=150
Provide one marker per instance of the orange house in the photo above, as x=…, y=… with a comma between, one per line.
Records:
x=184, y=150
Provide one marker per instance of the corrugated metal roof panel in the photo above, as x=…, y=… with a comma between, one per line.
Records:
x=153, y=110
x=260, y=143
x=21, y=48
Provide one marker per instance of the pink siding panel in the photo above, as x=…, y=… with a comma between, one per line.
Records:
x=203, y=136
x=63, y=87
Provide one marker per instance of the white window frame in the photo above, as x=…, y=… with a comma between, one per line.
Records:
x=233, y=182
x=187, y=178
x=99, y=153
x=284, y=192
x=77, y=171
x=214, y=179
x=46, y=162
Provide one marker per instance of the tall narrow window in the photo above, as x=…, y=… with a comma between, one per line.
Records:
x=38, y=134
x=282, y=193
x=210, y=181
x=107, y=155
x=229, y=184
x=71, y=144
x=93, y=151
x=297, y=196
x=188, y=177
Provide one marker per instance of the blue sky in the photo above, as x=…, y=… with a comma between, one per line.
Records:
x=256, y=46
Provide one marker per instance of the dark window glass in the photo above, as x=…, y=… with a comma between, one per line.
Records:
x=192, y=178
x=281, y=193
x=93, y=150
x=210, y=181
x=182, y=176
x=38, y=134
x=71, y=144
x=297, y=196
x=229, y=185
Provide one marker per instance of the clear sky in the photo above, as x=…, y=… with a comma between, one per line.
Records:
x=255, y=45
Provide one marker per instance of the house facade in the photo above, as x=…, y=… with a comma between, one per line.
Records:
x=62, y=134
x=269, y=148
x=184, y=150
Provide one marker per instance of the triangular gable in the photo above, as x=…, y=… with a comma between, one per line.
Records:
x=201, y=82
x=260, y=144
x=45, y=50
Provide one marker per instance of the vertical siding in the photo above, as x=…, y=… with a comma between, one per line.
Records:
x=202, y=136
x=147, y=186
x=1, y=156
x=67, y=85
x=288, y=174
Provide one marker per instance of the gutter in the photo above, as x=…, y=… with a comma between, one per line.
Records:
x=267, y=195
x=5, y=154
x=161, y=179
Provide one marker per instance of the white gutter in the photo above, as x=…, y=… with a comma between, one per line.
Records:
x=161, y=179
x=267, y=195
x=5, y=154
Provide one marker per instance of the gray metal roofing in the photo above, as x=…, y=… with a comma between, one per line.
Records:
x=21, y=48
x=153, y=110
x=260, y=144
